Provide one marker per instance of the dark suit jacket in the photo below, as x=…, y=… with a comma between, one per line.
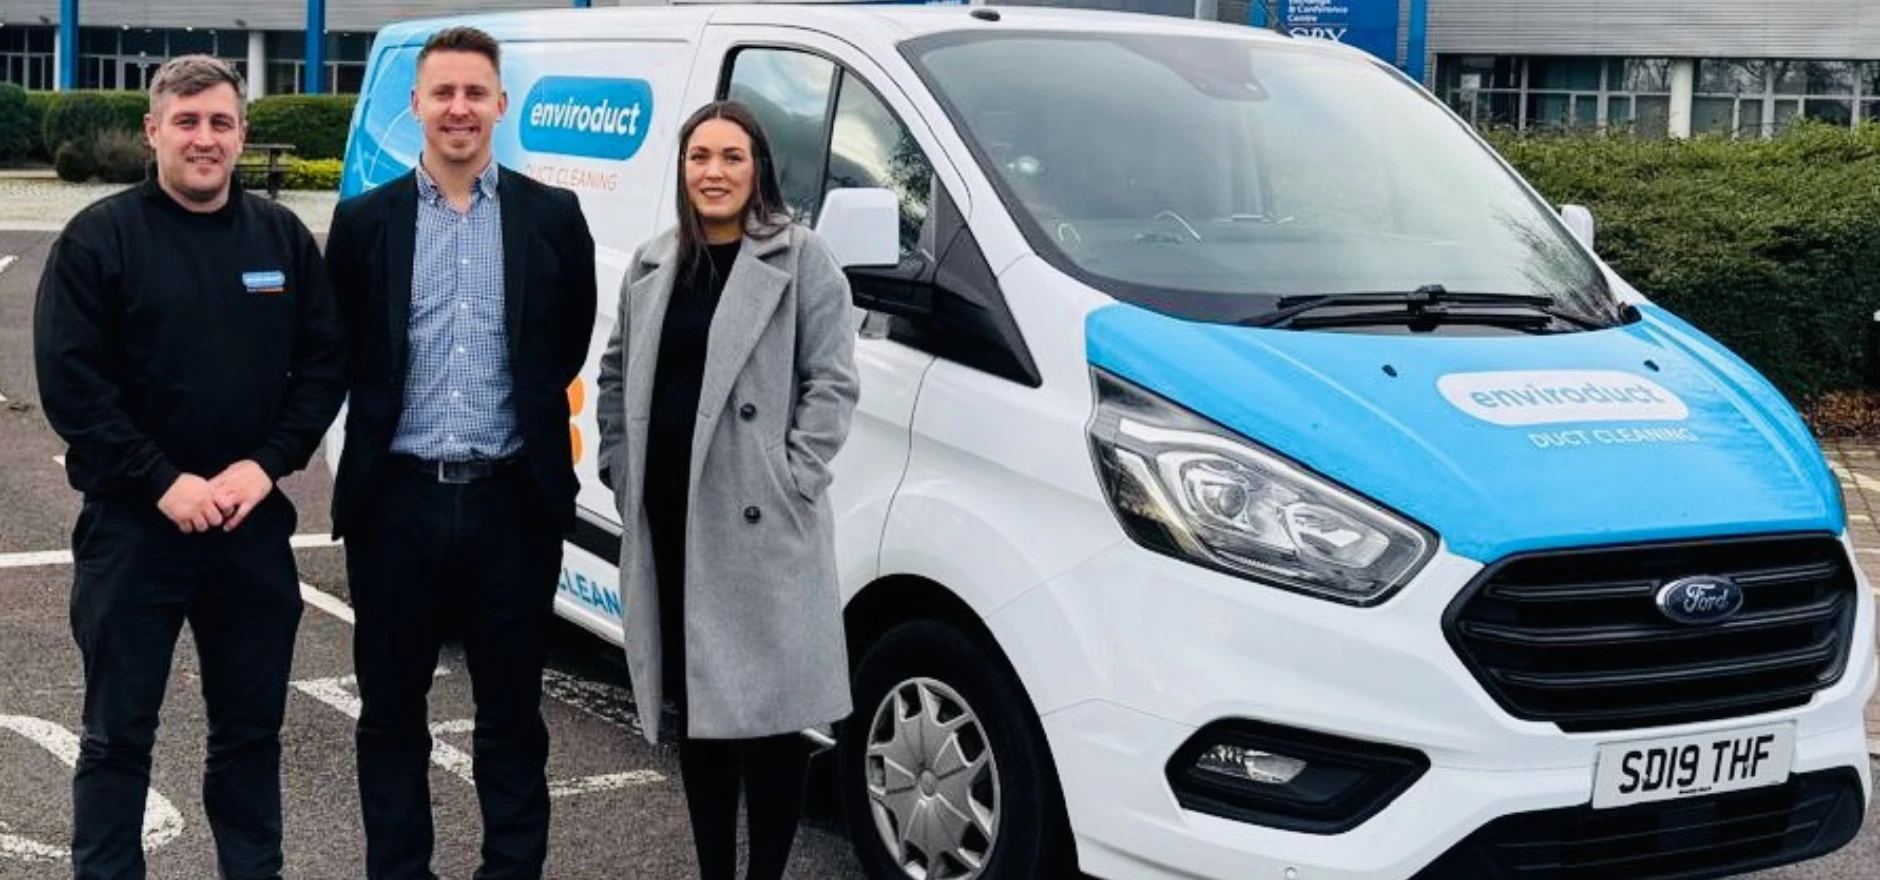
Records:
x=548, y=267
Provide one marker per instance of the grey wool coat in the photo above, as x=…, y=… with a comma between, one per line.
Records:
x=765, y=652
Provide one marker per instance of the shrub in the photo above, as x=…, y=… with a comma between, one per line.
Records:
x=78, y=117
x=74, y=163
x=122, y=157
x=17, y=138
x=37, y=103
x=315, y=124
x=313, y=174
x=1770, y=246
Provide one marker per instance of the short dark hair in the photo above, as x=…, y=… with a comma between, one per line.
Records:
x=464, y=39
x=189, y=75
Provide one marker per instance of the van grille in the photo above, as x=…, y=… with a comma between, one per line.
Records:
x=1575, y=637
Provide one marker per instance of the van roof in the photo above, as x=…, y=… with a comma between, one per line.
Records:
x=859, y=22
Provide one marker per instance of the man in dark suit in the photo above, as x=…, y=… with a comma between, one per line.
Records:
x=468, y=294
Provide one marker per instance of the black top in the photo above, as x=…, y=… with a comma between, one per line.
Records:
x=683, y=339
x=172, y=342
x=681, y=370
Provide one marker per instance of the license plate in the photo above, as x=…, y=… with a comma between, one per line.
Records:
x=1686, y=766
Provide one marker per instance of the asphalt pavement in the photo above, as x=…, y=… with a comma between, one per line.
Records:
x=618, y=809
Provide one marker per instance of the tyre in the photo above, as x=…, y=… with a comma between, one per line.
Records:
x=942, y=768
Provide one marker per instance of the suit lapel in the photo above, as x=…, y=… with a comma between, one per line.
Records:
x=512, y=201
x=750, y=299
x=401, y=245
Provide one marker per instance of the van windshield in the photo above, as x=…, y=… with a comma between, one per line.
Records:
x=1210, y=177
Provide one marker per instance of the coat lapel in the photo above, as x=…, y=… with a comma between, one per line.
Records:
x=512, y=201
x=401, y=245
x=750, y=299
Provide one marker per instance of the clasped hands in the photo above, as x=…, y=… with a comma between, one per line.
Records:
x=225, y=501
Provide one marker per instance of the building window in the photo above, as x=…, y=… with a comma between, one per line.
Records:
x=26, y=56
x=345, y=62
x=1867, y=81
x=1758, y=97
x=1559, y=93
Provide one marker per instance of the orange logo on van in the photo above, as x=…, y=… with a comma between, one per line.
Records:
x=577, y=400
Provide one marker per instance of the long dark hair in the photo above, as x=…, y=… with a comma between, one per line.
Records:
x=765, y=214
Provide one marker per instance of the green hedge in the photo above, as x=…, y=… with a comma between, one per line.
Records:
x=16, y=134
x=313, y=174
x=79, y=117
x=1770, y=246
x=315, y=124
x=37, y=103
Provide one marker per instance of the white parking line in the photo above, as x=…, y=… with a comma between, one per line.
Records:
x=337, y=693
x=608, y=782
x=326, y=602
x=606, y=702
x=59, y=460
x=4, y=263
x=40, y=558
x=162, y=823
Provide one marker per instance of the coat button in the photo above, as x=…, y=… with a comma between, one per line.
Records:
x=752, y=514
x=747, y=411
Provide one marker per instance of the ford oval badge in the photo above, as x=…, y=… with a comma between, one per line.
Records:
x=1699, y=601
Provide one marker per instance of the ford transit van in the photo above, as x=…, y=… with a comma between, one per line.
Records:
x=1253, y=477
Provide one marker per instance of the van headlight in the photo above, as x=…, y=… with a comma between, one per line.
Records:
x=1186, y=487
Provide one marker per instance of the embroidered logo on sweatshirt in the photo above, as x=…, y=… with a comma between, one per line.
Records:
x=273, y=281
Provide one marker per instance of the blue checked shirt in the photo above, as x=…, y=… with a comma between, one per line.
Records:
x=458, y=388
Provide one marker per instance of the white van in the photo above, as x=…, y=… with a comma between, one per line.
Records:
x=1252, y=478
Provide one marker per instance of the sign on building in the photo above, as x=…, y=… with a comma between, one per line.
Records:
x=1370, y=25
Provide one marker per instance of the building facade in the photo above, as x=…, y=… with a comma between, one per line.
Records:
x=1657, y=67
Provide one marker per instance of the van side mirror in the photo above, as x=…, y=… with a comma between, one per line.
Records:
x=861, y=226
x=1580, y=221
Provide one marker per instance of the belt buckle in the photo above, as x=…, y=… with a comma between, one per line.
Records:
x=445, y=474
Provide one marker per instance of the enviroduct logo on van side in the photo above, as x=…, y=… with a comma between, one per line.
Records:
x=1538, y=397
x=587, y=116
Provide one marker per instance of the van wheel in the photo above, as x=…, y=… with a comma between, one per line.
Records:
x=942, y=767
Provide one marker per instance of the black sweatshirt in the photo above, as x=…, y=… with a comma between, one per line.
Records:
x=170, y=342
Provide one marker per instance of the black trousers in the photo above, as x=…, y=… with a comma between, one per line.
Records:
x=434, y=560
x=771, y=771
x=137, y=579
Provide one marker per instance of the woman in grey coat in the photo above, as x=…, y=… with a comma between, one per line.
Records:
x=726, y=389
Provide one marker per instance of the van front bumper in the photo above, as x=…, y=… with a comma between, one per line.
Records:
x=1148, y=651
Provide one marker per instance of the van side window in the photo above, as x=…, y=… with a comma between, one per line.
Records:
x=830, y=130
x=789, y=94
x=869, y=147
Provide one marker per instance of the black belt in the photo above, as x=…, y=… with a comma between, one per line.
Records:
x=455, y=471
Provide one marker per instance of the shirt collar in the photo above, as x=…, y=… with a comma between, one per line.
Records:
x=485, y=185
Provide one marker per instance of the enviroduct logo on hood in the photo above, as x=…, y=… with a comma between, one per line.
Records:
x=587, y=116
x=1540, y=397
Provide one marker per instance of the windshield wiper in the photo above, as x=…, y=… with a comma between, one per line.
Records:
x=1431, y=302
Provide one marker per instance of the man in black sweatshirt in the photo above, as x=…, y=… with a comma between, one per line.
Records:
x=190, y=354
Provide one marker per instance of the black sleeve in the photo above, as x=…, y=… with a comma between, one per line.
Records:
x=578, y=295
x=350, y=276
x=74, y=320
x=317, y=384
